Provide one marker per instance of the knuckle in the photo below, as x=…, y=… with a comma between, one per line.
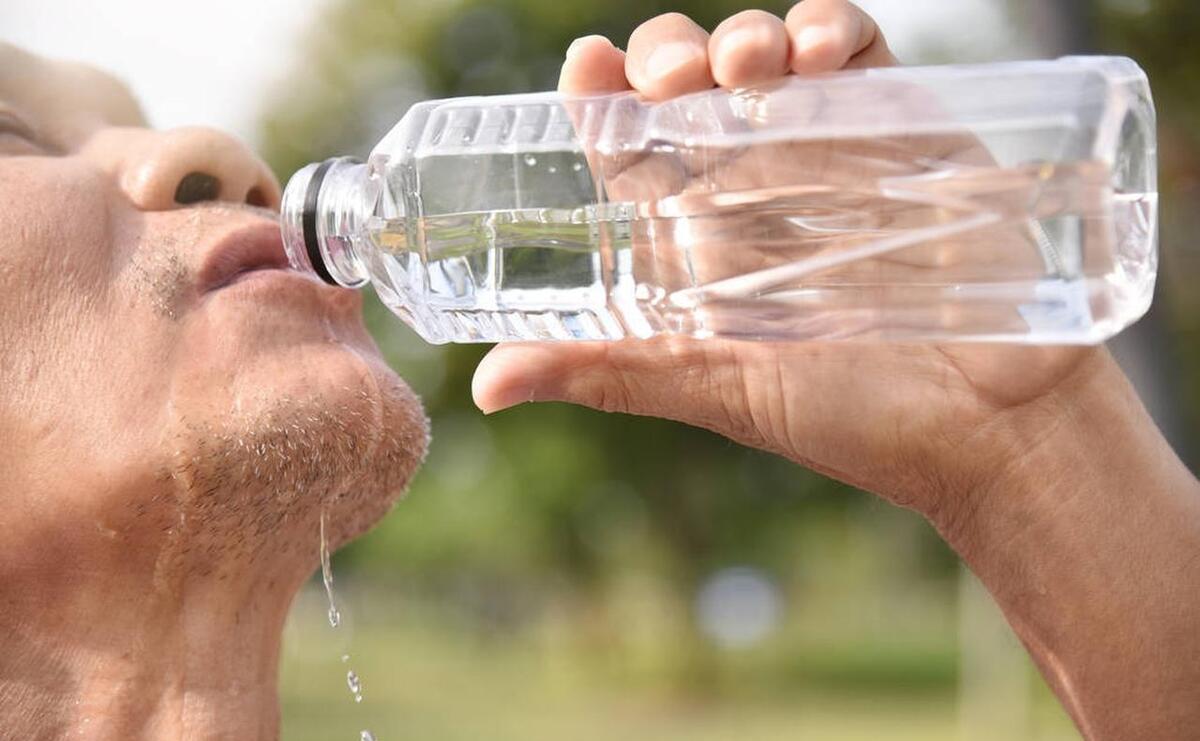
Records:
x=612, y=396
x=614, y=392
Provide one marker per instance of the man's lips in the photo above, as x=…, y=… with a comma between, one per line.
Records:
x=257, y=246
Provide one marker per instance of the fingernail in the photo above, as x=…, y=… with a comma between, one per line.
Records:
x=505, y=398
x=493, y=406
x=491, y=409
x=733, y=40
x=668, y=58
x=578, y=44
x=812, y=37
x=510, y=399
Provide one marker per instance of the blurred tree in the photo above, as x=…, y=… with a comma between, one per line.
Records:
x=1160, y=34
x=1155, y=33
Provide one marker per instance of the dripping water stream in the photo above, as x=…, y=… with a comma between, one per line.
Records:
x=335, y=620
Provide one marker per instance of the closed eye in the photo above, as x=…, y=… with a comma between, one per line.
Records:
x=16, y=133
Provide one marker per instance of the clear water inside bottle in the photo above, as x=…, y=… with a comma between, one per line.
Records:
x=884, y=242
x=1012, y=202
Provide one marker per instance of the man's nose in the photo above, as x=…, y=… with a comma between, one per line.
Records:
x=161, y=170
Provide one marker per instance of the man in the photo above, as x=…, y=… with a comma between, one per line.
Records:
x=183, y=412
x=179, y=412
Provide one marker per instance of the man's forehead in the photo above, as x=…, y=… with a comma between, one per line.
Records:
x=63, y=94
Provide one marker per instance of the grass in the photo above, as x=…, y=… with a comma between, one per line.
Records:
x=428, y=676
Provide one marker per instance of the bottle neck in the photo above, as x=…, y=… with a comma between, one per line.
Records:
x=324, y=207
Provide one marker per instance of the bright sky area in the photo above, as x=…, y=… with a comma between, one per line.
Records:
x=214, y=62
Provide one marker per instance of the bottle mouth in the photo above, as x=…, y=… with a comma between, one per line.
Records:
x=307, y=248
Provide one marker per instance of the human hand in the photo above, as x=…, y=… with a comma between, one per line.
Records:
x=919, y=424
x=1039, y=465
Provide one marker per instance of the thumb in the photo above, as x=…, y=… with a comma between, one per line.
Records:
x=697, y=382
x=591, y=374
x=514, y=373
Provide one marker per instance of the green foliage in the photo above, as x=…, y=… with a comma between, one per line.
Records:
x=1161, y=36
x=378, y=57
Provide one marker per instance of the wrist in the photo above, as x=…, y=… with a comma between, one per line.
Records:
x=1087, y=538
x=1015, y=469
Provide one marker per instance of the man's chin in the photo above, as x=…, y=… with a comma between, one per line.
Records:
x=383, y=461
x=333, y=433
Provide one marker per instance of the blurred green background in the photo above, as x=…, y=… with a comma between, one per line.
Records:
x=561, y=573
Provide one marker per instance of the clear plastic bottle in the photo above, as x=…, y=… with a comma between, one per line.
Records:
x=1012, y=202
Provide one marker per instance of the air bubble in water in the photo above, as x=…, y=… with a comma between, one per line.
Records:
x=552, y=169
x=530, y=160
x=577, y=166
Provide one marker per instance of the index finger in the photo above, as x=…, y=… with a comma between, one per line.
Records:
x=593, y=66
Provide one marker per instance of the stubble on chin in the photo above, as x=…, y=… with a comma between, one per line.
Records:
x=249, y=488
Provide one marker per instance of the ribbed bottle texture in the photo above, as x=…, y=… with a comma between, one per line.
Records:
x=1014, y=202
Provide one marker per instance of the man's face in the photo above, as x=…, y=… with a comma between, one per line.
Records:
x=170, y=389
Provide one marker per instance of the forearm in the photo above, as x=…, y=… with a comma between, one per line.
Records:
x=1090, y=543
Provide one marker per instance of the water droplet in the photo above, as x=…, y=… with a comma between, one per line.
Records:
x=577, y=166
x=530, y=160
x=345, y=658
x=335, y=617
x=552, y=169
x=366, y=736
x=355, y=685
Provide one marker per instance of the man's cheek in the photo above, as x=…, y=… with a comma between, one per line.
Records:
x=60, y=211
